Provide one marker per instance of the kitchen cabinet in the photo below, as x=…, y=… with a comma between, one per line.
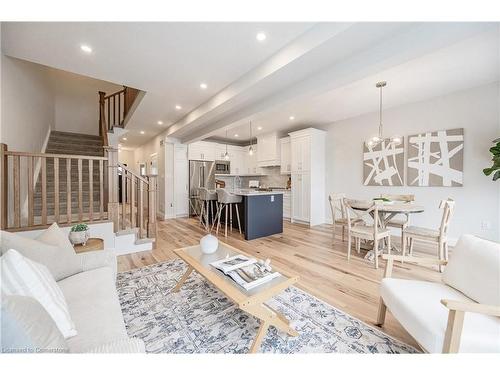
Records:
x=174, y=195
x=287, y=205
x=202, y=151
x=308, y=163
x=268, y=154
x=286, y=162
x=300, y=154
x=237, y=158
x=251, y=161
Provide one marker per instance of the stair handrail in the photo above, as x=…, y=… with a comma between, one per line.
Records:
x=128, y=170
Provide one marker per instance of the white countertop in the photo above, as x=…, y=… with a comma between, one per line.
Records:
x=252, y=192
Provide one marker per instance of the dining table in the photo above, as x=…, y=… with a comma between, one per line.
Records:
x=386, y=212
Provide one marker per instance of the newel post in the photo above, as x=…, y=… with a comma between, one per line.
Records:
x=4, y=184
x=113, y=203
x=152, y=205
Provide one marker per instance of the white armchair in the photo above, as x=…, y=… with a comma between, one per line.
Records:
x=461, y=314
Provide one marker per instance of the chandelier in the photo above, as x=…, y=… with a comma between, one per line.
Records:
x=377, y=139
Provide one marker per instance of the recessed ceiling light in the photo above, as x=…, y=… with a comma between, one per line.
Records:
x=142, y=132
x=236, y=135
x=261, y=36
x=159, y=123
x=124, y=138
x=178, y=107
x=203, y=86
x=259, y=128
x=85, y=48
x=292, y=118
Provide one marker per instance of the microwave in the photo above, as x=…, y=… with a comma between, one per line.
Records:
x=222, y=167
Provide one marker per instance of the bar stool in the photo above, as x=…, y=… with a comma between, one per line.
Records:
x=226, y=200
x=207, y=199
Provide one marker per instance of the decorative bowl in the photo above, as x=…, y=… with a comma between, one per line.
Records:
x=209, y=244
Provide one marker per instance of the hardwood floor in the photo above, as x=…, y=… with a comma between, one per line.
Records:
x=311, y=253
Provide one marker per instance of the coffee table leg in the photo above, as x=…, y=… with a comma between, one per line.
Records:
x=183, y=279
x=260, y=336
x=268, y=317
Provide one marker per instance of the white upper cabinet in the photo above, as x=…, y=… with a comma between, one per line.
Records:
x=286, y=162
x=268, y=154
x=237, y=159
x=251, y=161
x=202, y=151
x=300, y=154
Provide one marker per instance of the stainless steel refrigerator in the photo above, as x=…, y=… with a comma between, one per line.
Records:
x=201, y=174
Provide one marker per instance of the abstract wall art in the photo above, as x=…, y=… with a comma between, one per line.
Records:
x=383, y=164
x=436, y=158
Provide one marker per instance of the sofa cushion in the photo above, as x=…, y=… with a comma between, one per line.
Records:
x=417, y=306
x=21, y=276
x=474, y=269
x=54, y=236
x=26, y=326
x=95, y=309
x=59, y=260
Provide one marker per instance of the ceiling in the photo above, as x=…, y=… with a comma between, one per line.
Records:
x=318, y=73
x=471, y=62
x=167, y=60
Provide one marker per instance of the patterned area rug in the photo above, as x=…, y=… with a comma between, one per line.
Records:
x=200, y=319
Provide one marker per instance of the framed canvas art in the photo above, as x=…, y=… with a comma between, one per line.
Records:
x=383, y=164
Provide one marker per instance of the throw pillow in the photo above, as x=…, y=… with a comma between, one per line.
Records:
x=55, y=236
x=59, y=260
x=27, y=327
x=23, y=277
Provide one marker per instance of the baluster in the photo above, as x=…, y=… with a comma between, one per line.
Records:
x=17, y=197
x=31, y=186
x=124, y=189
x=132, y=201
x=80, y=191
x=68, y=191
x=114, y=110
x=56, y=190
x=152, y=207
x=44, y=190
x=109, y=113
x=91, y=190
x=119, y=109
x=101, y=191
x=140, y=208
x=4, y=186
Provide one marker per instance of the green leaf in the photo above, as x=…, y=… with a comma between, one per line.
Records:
x=496, y=176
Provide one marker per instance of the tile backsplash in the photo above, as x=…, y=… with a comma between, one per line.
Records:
x=271, y=177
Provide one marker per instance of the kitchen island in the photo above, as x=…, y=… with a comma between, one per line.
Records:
x=261, y=213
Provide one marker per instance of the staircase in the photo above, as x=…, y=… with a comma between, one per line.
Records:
x=79, y=179
x=62, y=143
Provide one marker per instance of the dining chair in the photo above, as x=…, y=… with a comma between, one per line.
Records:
x=366, y=232
x=402, y=222
x=436, y=236
x=339, y=213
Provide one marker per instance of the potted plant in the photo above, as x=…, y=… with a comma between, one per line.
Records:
x=79, y=234
x=495, y=151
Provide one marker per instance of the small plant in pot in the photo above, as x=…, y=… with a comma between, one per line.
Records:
x=79, y=234
x=495, y=168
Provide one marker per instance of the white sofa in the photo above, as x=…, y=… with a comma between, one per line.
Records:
x=88, y=284
x=461, y=314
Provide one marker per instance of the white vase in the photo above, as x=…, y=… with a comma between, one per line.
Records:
x=77, y=238
x=209, y=244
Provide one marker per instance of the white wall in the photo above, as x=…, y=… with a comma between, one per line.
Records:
x=77, y=101
x=127, y=157
x=476, y=110
x=27, y=105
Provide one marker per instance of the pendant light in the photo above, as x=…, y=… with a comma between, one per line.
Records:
x=250, y=149
x=375, y=140
x=226, y=154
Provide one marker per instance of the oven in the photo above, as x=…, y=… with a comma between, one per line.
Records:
x=222, y=167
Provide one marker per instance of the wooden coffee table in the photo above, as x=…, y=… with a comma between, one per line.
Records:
x=251, y=301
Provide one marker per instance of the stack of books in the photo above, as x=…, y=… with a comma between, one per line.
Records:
x=246, y=272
